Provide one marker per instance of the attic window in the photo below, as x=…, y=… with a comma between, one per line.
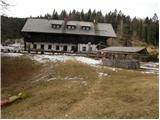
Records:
x=87, y=28
x=56, y=26
x=71, y=27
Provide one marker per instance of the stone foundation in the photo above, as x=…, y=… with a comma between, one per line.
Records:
x=128, y=64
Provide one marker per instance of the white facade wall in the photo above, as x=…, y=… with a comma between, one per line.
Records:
x=53, y=48
x=61, y=46
x=93, y=47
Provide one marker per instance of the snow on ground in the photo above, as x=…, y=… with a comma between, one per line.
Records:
x=63, y=58
x=56, y=58
x=57, y=78
x=100, y=75
x=11, y=54
x=150, y=67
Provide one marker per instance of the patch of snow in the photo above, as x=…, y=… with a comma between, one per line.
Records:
x=84, y=83
x=113, y=69
x=57, y=58
x=89, y=61
x=72, y=78
x=64, y=58
x=148, y=72
x=51, y=79
x=11, y=54
x=44, y=78
x=150, y=67
x=100, y=75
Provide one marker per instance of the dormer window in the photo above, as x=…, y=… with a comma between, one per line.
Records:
x=71, y=27
x=56, y=26
x=68, y=27
x=87, y=28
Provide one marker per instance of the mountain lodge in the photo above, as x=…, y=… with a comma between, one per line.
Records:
x=66, y=36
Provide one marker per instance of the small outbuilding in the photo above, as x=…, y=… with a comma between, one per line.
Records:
x=124, y=57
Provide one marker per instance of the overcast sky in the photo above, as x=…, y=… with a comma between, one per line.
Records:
x=27, y=8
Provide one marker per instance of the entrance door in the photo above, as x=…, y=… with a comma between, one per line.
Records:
x=74, y=49
x=65, y=48
x=42, y=48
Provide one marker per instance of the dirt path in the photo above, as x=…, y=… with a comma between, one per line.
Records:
x=81, y=106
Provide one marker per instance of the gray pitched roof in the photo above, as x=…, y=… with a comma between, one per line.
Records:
x=44, y=26
x=123, y=49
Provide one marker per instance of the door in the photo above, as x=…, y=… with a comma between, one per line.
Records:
x=65, y=48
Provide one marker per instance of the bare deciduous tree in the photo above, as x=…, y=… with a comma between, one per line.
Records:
x=3, y=7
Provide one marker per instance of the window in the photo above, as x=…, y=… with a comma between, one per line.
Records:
x=65, y=48
x=68, y=27
x=53, y=26
x=42, y=46
x=49, y=47
x=57, y=47
x=83, y=28
x=72, y=48
x=87, y=28
x=56, y=26
x=35, y=46
x=90, y=49
x=28, y=46
x=71, y=27
x=83, y=48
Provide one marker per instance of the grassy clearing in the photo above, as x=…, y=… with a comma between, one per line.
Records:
x=15, y=72
x=74, y=90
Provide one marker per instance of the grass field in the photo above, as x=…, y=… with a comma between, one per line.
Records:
x=74, y=90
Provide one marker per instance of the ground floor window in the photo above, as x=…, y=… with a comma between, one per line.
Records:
x=35, y=46
x=90, y=49
x=42, y=46
x=83, y=48
x=49, y=47
x=57, y=47
x=74, y=48
x=28, y=46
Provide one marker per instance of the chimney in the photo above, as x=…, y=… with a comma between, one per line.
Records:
x=65, y=23
x=95, y=24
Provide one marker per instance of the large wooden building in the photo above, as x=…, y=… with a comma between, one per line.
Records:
x=66, y=36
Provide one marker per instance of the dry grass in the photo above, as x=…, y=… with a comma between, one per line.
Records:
x=15, y=72
x=121, y=94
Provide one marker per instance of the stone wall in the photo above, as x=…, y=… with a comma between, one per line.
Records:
x=129, y=64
